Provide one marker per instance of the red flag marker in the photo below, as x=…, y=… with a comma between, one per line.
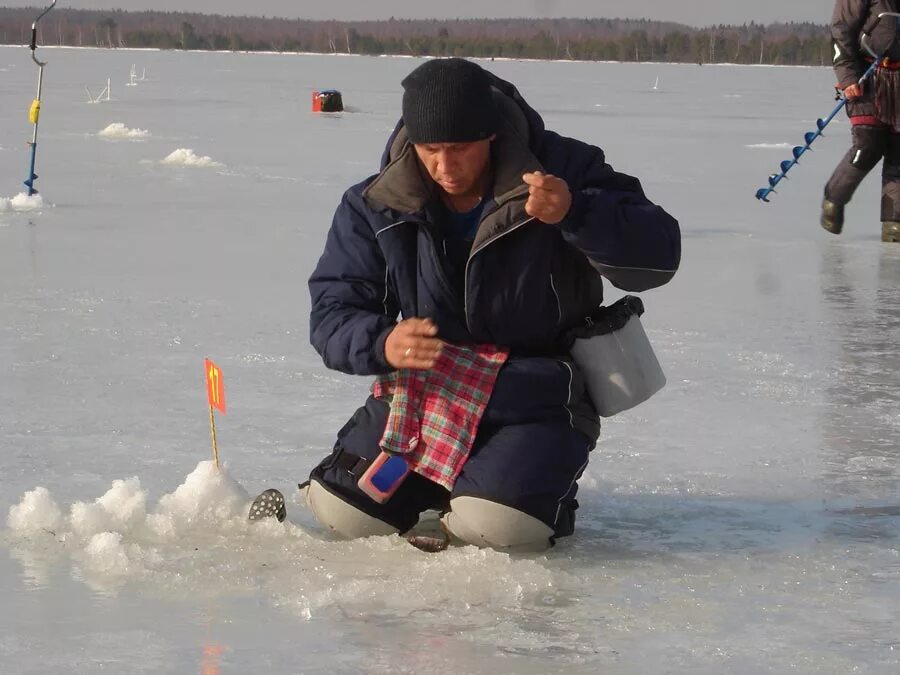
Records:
x=215, y=386
x=215, y=394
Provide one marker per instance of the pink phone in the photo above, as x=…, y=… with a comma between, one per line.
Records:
x=381, y=480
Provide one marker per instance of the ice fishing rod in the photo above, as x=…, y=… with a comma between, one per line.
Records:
x=763, y=193
x=34, y=112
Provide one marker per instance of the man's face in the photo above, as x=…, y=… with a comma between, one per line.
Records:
x=457, y=167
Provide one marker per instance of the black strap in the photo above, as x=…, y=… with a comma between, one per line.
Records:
x=352, y=464
x=345, y=461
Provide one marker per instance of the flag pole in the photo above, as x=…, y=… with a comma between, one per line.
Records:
x=215, y=395
x=212, y=428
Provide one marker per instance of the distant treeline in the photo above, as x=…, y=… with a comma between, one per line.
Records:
x=580, y=39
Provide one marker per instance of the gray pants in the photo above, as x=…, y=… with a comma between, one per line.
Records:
x=470, y=520
x=870, y=144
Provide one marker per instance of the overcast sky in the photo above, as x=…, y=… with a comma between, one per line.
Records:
x=693, y=12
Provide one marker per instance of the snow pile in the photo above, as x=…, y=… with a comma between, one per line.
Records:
x=197, y=540
x=21, y=202
x=121, y=509
x=187, y=157
x=118, y=131
x=116, y=534
x=207, y=496
x=35, y=513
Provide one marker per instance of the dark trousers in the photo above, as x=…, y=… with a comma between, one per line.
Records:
x=871, y=143
x=531, y=466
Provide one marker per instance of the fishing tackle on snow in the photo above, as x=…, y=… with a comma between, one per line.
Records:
x=763, y=193
x=34, y=112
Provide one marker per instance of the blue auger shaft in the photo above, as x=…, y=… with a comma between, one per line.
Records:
x=763, y=193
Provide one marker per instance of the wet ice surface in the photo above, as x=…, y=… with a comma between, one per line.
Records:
x=745, y=520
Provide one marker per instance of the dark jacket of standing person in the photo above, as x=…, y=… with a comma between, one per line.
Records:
x=850, y=20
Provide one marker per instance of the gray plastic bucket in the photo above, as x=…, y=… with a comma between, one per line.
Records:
x=618, y=363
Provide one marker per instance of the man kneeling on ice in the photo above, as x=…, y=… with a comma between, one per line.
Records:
x=488, y=235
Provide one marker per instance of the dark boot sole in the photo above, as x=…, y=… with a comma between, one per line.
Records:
x=269, y=504
x=429, y=544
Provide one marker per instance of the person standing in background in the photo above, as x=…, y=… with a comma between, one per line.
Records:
x=873, y=108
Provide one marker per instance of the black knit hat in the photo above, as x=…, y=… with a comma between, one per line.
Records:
x=448, y=101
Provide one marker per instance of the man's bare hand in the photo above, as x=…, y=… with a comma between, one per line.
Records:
x=853, y=91
x=549, y=198
x=413, y=344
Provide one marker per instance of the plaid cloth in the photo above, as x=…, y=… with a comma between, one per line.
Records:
x=435, y=413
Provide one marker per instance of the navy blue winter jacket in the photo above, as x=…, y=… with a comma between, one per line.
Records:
x=527, y=284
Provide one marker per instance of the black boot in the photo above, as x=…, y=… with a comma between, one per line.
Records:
x=832, y=216
x=890, y=231
x=268, y=504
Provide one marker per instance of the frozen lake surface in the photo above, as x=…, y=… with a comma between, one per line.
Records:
x=745, y=520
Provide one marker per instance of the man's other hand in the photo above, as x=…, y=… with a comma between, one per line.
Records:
x=413, y=344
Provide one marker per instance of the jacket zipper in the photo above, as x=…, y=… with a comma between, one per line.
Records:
x=439, y=268
x=472, y=256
